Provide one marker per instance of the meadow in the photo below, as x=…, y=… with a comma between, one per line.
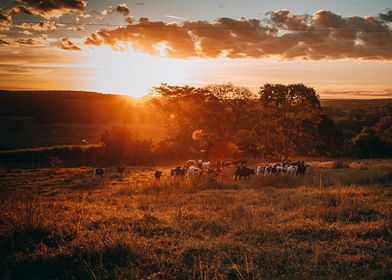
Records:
x=63, y=223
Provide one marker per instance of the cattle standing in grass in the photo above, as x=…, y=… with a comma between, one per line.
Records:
x=177, y=172
x=158, y=175
x=194, y=172
x=206, y=165
x=99, y=172
x=244, y=172
x=301, y=170
x=260, y=170
x=292, y=169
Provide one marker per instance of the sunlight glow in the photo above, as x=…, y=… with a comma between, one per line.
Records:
x=134, y=73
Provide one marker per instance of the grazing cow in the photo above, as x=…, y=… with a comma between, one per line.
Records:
x=158, y=175
x=206, y=165
x=99, y=172
x=292, y=169
x=214, y=172
x=302, y=168
x=121, y=170
x=178, y=171
x=260, y=170
x=243, y=172
x=194, y=172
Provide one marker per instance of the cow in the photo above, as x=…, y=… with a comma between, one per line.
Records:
x=178, y=171
x=260, y=170
x=214, y=172
x=194, y=172
x=292, y=169
x=99, y=172
x=158, y=175
x=206, y=165
x=301, y=170
x=243, y=172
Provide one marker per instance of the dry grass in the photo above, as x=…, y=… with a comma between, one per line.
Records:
x=65, y=224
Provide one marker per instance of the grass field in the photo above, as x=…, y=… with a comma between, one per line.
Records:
x=335, y=223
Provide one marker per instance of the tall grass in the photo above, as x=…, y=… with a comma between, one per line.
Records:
x=276, y=227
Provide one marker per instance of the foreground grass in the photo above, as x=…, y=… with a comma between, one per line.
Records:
x=65, y=224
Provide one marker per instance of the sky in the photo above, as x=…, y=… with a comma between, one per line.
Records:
x=341, y=48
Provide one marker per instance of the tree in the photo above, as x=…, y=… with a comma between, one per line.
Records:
x=288, y=110
x=368, y=145
x=383, y=129
x=216, y=112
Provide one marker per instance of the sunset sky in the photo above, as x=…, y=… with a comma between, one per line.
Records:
x=341, y=48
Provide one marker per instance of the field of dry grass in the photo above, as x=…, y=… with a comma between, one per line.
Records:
x=335, y=223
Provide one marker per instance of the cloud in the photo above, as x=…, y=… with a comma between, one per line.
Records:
x=29, y=41
x=175, y=17
x=5, y=19
x=52, y=8
x=22, y=9
x=66, y=44
x=40, y=26
x=4, y=42
x=76, y=28
x=387, y=16
x=123, y=9
x=323, y=35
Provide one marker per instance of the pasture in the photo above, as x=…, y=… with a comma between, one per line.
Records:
x=63, y=223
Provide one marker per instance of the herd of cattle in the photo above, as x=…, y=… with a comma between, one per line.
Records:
x=197, y=168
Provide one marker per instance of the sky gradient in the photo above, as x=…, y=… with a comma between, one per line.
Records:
x=341, y=48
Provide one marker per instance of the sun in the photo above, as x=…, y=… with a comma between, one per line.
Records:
x=133, y=73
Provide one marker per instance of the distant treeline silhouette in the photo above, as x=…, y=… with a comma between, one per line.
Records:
x=213, y=122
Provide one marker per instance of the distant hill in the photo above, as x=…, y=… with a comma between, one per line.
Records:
x=46, y=118
x=70, y=107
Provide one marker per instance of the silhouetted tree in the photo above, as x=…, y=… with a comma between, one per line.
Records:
x=287, y=109
x=384, y=129
x=368, y=145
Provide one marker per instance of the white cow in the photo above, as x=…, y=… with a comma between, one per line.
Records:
x=260, y=170
x=194, y=172
x=292, y=170
x=206, y=165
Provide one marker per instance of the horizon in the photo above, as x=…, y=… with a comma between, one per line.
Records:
x=342, y=50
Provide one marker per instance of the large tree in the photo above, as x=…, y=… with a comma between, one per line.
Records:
x=289, y=111
x=217, y=112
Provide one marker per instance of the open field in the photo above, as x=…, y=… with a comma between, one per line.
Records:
x=64, y=223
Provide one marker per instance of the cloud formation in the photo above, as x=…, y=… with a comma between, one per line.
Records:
x=123, y=9
x=323, y=35
x=40, y=26
x=5, y=19
x=51, y=8
x=66, y=44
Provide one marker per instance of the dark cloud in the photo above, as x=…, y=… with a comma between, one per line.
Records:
x=5, y=19
x=66, y=44
x=53, y=8
x=22, y=9
x=123, y=9
x=387, y=16
x=323, y=35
